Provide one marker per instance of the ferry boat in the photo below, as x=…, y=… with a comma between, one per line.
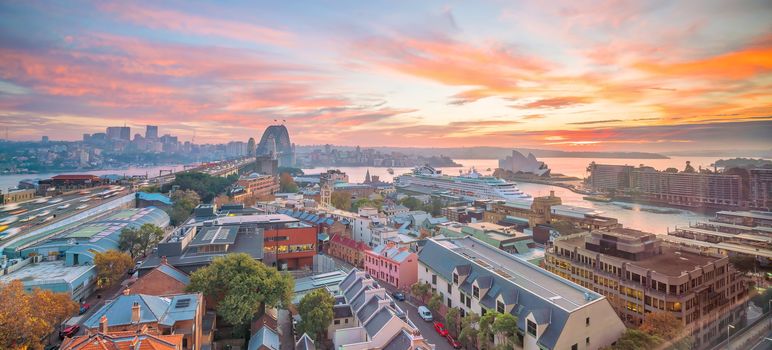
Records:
x=471, y=185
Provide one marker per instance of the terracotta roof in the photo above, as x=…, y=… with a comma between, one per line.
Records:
x=349, y=242
x=123, y=341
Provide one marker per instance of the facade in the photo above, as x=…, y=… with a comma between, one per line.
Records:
x=552, y=312
x=373, y=320
x=119, y=133
x=365, y=221
x=463, y=214
x=760, y=181
x=397, y=266
x=16, y=196
x=639, y=274
x=547, y=210
x=609, y=178
x=501, y=237
x=180, y=314
x=255, y=186
x=348, y=250
x=165, y=279
x=687, y=189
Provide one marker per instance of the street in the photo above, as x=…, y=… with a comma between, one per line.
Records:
x=426, y=328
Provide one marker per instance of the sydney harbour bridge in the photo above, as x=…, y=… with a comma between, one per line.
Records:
x=276, y=143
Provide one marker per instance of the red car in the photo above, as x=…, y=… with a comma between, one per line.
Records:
x=70, y=331
x=440, y=328
x=454, y=343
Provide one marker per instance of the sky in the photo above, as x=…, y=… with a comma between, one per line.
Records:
x=572, y=75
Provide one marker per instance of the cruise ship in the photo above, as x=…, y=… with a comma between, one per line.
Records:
x=471, y=185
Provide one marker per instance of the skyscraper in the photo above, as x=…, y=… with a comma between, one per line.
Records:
x=251, y=147
x=151, y=133
x=119, y=133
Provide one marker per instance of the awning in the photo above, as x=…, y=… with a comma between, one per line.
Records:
x=323, y=237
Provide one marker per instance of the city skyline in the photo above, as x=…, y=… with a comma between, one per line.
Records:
x=605, y=76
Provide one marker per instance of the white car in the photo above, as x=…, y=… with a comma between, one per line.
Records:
x=55, y=200
x=84, y=200
x=81, y=207
x=9, y=220
x=63, y=206
x=425, y=314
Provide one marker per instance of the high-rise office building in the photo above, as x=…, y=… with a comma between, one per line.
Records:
x=151, y=133
x=119, y=133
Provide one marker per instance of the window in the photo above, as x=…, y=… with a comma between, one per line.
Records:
x=575, y=347
x=587, y=340
x=455, y=278
x=449, y=288
x=434, y=279
x=531, y=328
x=345, y=321
x=483, y=311
x=337, y=321
x=476, y=292
x=587, y=321
x=450, y=302
x=499, y=307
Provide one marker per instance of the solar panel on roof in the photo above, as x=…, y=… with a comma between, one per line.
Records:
x=182, y=303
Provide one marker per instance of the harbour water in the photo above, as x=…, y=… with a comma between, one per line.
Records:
x=629, y=214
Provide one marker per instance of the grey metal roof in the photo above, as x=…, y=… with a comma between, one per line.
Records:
x=349, y=279
x=369, y=308
x=163, y=310
x=376, y=323
x=174, y=273
x=512, y=278
x=401, y=341
x=354, y=289
x=305, y=343
x=342, y=311
x=359, y=299
x=264, y=336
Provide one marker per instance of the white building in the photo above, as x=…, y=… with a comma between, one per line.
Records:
x=367, y=318
x=552, y=312
x=366, y=220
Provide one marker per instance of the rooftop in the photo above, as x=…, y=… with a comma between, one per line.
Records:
x=163, y=310
x=48, y=272
x=209, y=235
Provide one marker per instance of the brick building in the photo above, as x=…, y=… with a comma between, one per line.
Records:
x=347, y=249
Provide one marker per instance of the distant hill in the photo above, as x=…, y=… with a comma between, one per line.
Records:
x=498, y=152
x=747, y=163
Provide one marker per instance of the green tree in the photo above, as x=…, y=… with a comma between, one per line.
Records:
x=315, y=311
x=111, y=267
x=689, y=168
x=434, y=207
x=485, y=330
x=421, y=290
x=743, y=263
x=505, y=328
x=241, y=286
x=361, y=203
x=452, y=319
x=287, y=184
x=468, y=334
x=184, y=203
x=662, y=324
x=635, y=339
x=411, y=203
x=138, y=242
x=341, y=200
x=435, y=302
x=28, y=317
x=206, y=186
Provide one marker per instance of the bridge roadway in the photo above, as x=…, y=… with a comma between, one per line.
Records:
x=223, y=168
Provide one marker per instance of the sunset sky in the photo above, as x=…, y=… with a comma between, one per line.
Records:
x=573, y=75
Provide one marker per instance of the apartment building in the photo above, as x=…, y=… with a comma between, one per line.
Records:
x=552, y=312
x=254, y=186
x=365, y=317
x=394, y=265
x=609, y=178
x=760, y=188
x=688, y=189
x=363, y=224
x=547, y=210
x=639, y=273
x=347, y=249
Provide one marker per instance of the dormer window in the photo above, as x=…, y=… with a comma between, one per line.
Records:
x=499, y=307
x=531, y=329
x=455, y=278
x=476, y=292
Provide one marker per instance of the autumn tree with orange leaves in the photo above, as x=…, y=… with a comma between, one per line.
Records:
x=27, y=318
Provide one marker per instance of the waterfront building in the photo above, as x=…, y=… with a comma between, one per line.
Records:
x=180, y=314
x=751, y=218
x=760, y=181
x=609, y=178
x=687, y=189
x=552, y=312
x=547, y=210
x=639, y=274
x=518, y=163
x=365, y=317
x=463, y=213
x=69, y=182
x=16, y=196
x=395, y=265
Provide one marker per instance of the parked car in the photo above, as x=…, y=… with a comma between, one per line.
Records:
x=453, y=342
x=83, y=308
x=69, y=331
x=425, y=314
x=440, y=328
x=399, y=296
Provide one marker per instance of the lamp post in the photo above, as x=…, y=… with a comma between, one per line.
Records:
x=728, y=345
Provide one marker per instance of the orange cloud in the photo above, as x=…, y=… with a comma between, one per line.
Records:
x=734, y=65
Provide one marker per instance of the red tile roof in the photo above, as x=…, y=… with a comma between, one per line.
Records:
x=348, y=242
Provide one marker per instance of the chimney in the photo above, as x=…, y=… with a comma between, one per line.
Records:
x=552, y=193
x=103, y=324
x=135, y=312
x=164, y=261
